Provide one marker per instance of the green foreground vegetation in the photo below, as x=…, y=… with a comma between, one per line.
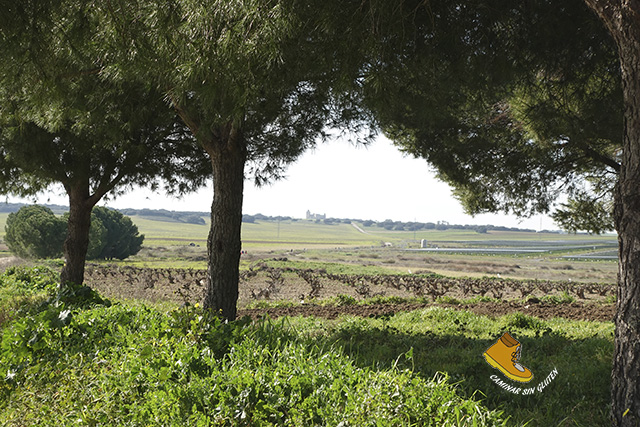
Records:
x=76, y=359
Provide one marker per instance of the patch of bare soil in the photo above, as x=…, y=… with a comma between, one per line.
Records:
x=573, y=311
x=305, y=285
x=9, y=261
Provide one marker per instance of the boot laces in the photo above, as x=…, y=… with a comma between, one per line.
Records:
x=515, y=356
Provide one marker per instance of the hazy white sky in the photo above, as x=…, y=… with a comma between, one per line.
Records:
x=375, y=182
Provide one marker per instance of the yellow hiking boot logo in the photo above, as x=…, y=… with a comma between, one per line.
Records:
x=504, y=355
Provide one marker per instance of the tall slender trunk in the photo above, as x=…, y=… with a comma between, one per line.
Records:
x=77, y=241
x=621, y=19
x=228, y=157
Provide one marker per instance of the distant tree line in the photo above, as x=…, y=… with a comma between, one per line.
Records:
x=389, y=224
x=251, y=219
x=15, y=207
x=197, y=218
x=165, y=215
x=441, y=225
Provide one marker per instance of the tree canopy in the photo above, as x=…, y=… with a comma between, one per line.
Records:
x=515, y=105
x=258, y=67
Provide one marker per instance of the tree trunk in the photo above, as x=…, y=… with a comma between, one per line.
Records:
x=621, y=18
x=77, y=241
x=228, y=157
x=625, y=386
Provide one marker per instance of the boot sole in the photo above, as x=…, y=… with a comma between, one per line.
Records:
x=508, y=374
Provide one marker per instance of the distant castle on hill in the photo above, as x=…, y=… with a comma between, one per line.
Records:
x=315, y=216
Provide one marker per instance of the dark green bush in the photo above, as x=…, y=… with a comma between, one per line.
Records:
x=122, y=238
x=35, y=232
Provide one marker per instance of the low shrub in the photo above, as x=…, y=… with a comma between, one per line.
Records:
x=521, y=321
x=563, y=298
x=343, y=299
x=29, y=278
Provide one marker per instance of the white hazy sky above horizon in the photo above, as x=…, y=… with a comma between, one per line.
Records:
x=340, y=180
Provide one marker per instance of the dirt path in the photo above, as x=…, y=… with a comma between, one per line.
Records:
x=10, y=260
x=573, y=311
x=359, y=229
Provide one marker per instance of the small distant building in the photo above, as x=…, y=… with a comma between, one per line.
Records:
x=423, y=243
x=315, y=216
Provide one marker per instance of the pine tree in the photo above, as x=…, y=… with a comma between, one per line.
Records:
x=253, y=81
x=65, y=118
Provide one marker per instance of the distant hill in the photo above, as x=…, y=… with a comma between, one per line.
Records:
x=169, y=216
x=155, y=214
x=394, y=225
x=14, y=207
x=194, y=217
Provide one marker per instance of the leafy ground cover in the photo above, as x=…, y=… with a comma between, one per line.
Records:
x=77, y=359
x=344, y=305
x=442, y=339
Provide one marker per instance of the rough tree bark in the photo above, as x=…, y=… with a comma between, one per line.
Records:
x=77, y=241
x=228, y=153
x=625, y=386
x=622, y=18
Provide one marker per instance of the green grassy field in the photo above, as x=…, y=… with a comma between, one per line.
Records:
x=282, y=234
x=263, y=234
x=84, y=361
x=309, y=234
